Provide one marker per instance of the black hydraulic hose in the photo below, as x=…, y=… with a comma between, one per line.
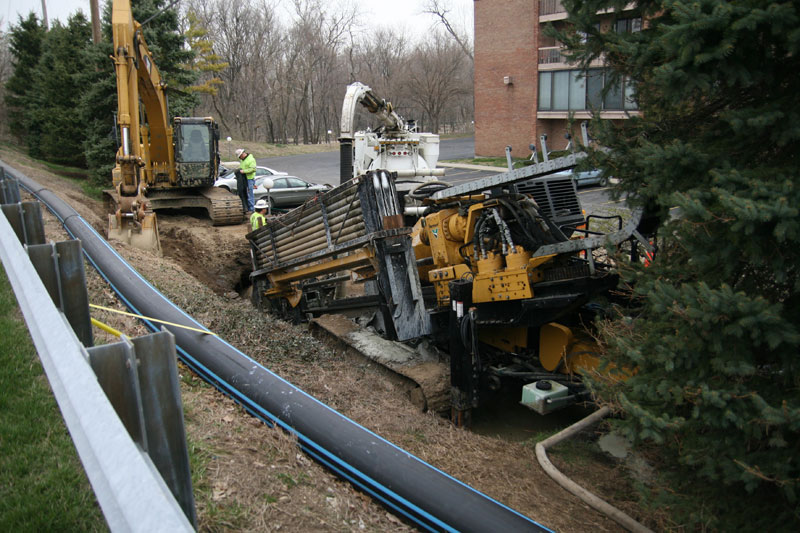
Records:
x=524, y=222
x=426, y=496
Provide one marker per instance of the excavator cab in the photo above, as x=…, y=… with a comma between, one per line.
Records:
x=196, y=151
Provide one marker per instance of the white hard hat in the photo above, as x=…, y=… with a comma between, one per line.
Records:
x=239, y=152
x=261, y=204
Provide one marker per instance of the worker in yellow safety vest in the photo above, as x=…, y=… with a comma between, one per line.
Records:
x=258, y=218
x=248, y=168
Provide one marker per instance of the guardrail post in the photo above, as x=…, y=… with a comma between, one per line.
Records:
x=132, y=494
x=115, y=368
x=140, y=378
x=60, y=267
x=9, y=189
x=26, y=219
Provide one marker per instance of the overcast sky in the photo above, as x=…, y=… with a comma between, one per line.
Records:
x=403, y=14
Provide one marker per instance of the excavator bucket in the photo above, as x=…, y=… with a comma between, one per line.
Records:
x=141, y=234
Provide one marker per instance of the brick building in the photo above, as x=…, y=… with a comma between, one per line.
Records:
x=523, y=85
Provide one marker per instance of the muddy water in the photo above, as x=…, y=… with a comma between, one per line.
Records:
x=502, y=416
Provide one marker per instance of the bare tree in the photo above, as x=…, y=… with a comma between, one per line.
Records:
x=249, y=39
x=318, y=37
x=438, y=77
x=383, y=60
x=439, y=9
x=285, y=81
x=6, y=68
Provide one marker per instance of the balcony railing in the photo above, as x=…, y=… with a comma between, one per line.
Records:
x=550, y=7
x=550, y=55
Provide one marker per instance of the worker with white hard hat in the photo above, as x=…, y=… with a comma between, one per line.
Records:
x=248, y=168
x=258, y=218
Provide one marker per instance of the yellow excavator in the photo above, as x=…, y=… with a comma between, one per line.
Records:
x=160, y=164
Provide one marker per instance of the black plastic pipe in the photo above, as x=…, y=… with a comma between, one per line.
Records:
x=428, y=497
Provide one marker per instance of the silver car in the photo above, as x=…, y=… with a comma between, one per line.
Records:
x=585, y=177
x=287, y=190
x=228, y=180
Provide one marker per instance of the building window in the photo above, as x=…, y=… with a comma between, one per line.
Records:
x=578, y=90
x=613, y=96
x=630, y=101
x=594, y=89
x=545, y=90
x=561, y=89
x=628, y=25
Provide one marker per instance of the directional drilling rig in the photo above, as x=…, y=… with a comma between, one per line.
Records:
x=395, y=145
x=496, y=273
x=159, y=164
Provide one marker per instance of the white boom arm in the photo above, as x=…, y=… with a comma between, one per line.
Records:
x=358, y=93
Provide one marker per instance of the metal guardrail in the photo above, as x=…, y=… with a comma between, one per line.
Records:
x=127, y=483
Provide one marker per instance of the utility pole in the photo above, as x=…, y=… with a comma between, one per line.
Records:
x=44, y=15
x=95, y=21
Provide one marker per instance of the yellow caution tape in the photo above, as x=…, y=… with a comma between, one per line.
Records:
x=153, y=319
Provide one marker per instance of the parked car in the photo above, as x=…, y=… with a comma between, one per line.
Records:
x=228, y=180
x=590, y=177
x=585, y=177
x=287, y=190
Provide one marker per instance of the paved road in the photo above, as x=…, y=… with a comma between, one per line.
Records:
x=324, y=168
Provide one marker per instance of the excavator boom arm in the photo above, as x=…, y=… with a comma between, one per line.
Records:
x=139, y=88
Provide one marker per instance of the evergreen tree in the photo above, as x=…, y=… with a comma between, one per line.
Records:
x=97, y=108
x=166, y=43
x=55, y=92
x=26, y=49
x=206, y=63
x=714, y=341
x=99, y=101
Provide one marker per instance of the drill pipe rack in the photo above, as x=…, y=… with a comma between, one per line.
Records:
x=356, y=227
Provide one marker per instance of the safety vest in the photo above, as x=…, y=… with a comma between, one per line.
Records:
x=248, y=167
x=257, y=220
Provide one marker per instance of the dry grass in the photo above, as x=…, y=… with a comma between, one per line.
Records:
x=227, y=149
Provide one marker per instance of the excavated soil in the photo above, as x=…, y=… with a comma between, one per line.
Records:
x=249, y=477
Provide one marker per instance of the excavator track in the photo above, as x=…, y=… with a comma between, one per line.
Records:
x=225, y=208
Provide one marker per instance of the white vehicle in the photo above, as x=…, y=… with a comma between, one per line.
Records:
x=228, y=180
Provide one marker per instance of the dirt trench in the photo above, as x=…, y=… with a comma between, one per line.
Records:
x=248, y=477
